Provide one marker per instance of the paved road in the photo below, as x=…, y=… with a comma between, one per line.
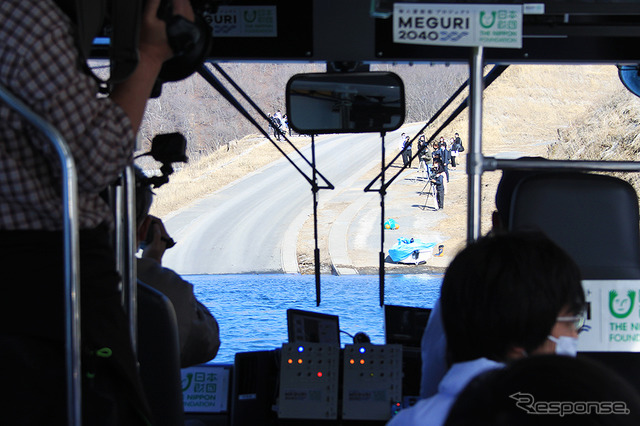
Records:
x=247, y=226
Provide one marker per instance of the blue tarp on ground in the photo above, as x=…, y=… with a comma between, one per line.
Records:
x=405, y=247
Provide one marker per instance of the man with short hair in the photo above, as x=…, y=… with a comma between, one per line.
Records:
x=458, y=141
x=503, y=297
x=405, y=147
x=434, y=341
x=445, y=155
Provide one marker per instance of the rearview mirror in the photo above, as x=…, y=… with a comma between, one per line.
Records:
x=320, y=103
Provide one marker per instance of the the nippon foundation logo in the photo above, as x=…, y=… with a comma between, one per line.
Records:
x=526, y=402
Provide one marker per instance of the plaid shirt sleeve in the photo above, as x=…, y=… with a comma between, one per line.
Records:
x=39, y=64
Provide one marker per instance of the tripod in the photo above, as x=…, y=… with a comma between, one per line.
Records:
x=431, y=192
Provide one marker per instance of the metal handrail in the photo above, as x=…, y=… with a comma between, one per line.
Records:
x=71, y=252
x=492, y=163
x=126, y=248
x=474, y=163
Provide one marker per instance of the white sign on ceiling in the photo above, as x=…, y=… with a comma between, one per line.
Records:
x=458, y=24
x=243, y=21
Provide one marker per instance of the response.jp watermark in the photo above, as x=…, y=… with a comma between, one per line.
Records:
x=526, y=402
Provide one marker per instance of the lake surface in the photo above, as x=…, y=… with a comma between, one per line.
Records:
x=251, y=309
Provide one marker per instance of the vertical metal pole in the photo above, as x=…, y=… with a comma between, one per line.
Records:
x=383, y=190
x=474, y=157
x=119, y=243
x=316, y=250
x=129, y=276
x=72, y=285
x=126, y=248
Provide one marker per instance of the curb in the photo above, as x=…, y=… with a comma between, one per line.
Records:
x=338, y=249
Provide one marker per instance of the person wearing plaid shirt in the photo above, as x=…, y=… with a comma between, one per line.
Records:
x=40, y=64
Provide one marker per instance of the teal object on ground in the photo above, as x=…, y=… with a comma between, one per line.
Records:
x=407, y=246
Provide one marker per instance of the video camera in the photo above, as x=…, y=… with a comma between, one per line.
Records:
x=170, y=242
x=190, y=41
x=118, y=21
x=167, y=148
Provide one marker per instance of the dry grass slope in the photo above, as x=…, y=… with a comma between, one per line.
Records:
x=608, y=131
x=215, y=171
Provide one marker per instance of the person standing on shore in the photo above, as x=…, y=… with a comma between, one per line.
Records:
x=405, y=146
x=458, y=142
x=424, y=156
x=454, y=152
x=438, y=180
x=445, y=156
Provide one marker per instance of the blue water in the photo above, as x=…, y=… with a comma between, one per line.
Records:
x=251, y=309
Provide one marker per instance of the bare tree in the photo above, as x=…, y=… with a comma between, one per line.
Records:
x=194, y=108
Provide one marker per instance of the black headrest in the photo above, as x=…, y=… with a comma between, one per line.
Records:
x=593, y=217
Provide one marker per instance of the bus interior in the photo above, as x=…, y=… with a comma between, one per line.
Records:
x=273, y=387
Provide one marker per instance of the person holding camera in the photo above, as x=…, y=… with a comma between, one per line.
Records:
x=198, y=330
x=424, y=155
x=437, y=179
x=41, y=63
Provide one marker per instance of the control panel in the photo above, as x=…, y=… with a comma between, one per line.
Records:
x=372, y=381
x=309, y=381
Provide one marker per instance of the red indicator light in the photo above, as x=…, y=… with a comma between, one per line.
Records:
x=319, y=373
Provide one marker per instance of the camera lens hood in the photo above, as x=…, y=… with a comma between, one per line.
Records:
x=191, y=43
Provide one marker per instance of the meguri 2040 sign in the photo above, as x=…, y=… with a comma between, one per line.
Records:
x=458, y=24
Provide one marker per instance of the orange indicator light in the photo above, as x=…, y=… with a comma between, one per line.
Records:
x=362, y=361
x=290, y=361
x=351, y=361
x=299, y=360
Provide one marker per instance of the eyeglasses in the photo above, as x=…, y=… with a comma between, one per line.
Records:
x=577, y=320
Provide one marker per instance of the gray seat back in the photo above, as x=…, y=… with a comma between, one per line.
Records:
x=593, y=217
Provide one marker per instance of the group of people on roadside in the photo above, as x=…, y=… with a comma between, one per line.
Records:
x=279, y=125
x=435, y=162
x=447, y=154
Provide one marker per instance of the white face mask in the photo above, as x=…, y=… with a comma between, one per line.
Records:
x=565, y=345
